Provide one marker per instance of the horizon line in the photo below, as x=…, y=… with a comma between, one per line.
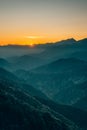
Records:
x=36, y=44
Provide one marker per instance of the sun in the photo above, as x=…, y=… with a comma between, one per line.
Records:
x=33, y=40
x=31, y=45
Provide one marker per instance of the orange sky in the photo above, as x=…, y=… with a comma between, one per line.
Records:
x=37, y=21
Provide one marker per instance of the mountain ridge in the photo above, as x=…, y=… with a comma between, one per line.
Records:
x=66, y=40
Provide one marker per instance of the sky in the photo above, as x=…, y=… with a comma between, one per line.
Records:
x=28, y=22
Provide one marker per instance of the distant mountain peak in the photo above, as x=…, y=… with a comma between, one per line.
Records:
x=69, y=41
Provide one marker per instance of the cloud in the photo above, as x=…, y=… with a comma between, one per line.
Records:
x=34, y=37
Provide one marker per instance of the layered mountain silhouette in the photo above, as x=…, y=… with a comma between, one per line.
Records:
x=45, y=87
x=63, y=80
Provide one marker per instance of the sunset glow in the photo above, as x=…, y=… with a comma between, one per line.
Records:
x=27, y=22
x=34, y=37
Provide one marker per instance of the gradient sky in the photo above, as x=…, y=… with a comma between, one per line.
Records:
x=39, y=21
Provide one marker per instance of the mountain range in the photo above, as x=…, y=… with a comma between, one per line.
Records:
x=20, y=110
x=44, y=87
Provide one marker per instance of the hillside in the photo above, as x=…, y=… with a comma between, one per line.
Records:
x=19, y=110
x=70, y=112
x=63, y=80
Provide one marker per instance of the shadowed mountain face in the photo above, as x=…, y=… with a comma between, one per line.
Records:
x=20, y=110
x=82, y=103
x=9, y=78
x=70, y=112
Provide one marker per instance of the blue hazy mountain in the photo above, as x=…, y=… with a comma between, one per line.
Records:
x=27, y=62
x=66, y=46
x=4, y=63
x=17, y=50
x=24, y=57
x=61, y=64
x=67, y=49
x=62, y=81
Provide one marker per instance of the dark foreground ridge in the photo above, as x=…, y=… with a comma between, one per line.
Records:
x=20, y=111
